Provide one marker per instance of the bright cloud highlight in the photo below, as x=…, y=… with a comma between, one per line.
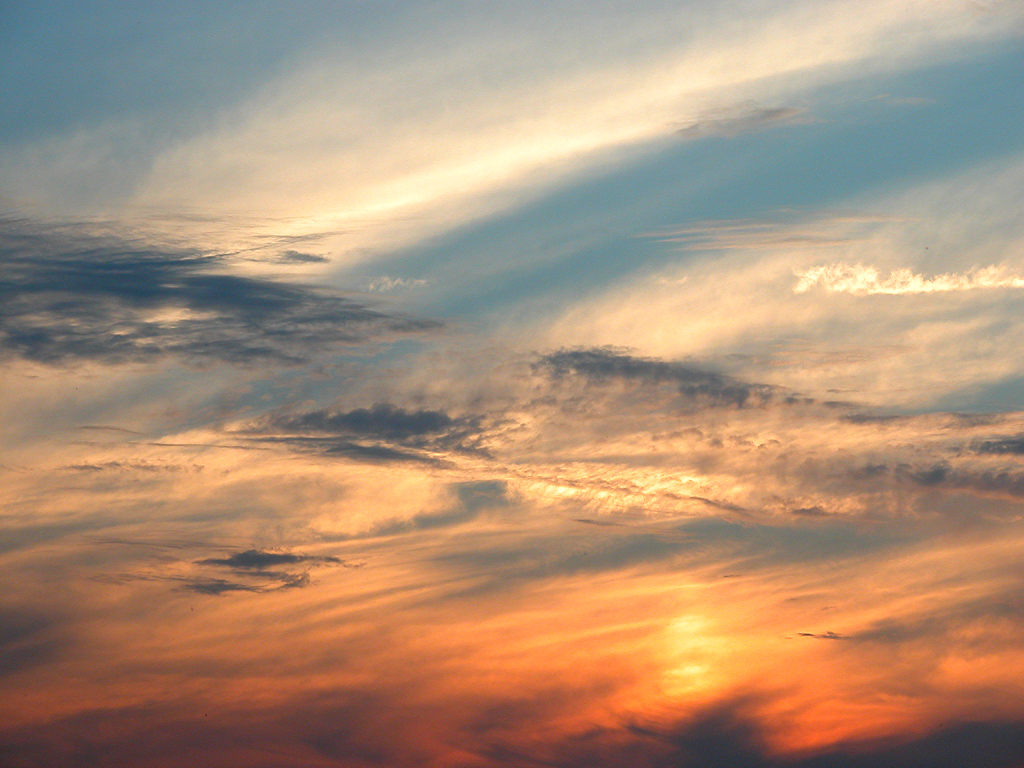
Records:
x=862, y=280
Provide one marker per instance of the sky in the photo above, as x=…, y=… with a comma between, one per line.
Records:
x=501, y=385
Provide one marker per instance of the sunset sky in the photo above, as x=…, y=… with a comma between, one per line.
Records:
x=509, y=384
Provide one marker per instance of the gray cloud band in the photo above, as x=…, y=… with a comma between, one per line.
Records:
x=67, y=298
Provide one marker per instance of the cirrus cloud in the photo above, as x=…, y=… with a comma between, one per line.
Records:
x=863, y=280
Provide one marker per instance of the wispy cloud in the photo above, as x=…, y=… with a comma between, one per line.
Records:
x=693, y=382
x=863, y=280
x=741, y=119
x=299, y=257
x=71, y=298
x=386, y=284
x=259, y=560
x=28, y=638
x=384, y=432
x=639, y=503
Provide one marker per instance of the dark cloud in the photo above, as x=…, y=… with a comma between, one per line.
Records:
x=382, y=420
x=341, y=448
x=814, y=511
x=256, y=559
x=473, y=499
x=1006, y=445
x=27, y=640
x=949, y=421
x=115, y=430
x=932, y=475
x=732, y=735
x=67, y=297
x=375, y=453
x=996, y=482
x=706, y=387
x=603, y=523
x=347, y=730
x=943, y=476
x=361, y=729
x=132, y=466
x=216, y=586
x=297, y=257
x=953, y=626
x=728, y=737
x=251, y=570
x=382, y=433
x=870, y=418
x=255, y=570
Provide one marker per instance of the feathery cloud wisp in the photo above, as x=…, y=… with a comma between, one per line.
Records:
x=863, y=280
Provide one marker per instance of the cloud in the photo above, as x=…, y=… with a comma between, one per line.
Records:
x=258, y=560
x=608, y=363
x=977, y=624
x=67, y=298
x=604, y=523
x=252, y=570
x=861, y=280
x=386, y=283
x=1006, y=445
x=117, y=430
x=298, y=257
x=741, y=119
x=727, y=736
x=256, y=565
x=343, y=448
x=784, y=230
x=216, y=587
x=361, y=729
x=472, y=499
x=383, y=432
x=255, y=571
x=129, y=466
x=382, y=420
x=27, y=639
x=979, y=480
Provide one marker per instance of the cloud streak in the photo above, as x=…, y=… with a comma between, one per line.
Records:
x=84, y=298
x=743, y=119
x=862, y=280
x=695, y=383
x=258, y=560
x=382, y=433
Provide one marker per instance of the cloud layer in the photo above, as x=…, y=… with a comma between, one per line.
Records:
x=511, y=385
x=861, y=280
x=72, y=298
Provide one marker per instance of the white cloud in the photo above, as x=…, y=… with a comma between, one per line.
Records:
x=386, y=283
x=862, y=280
